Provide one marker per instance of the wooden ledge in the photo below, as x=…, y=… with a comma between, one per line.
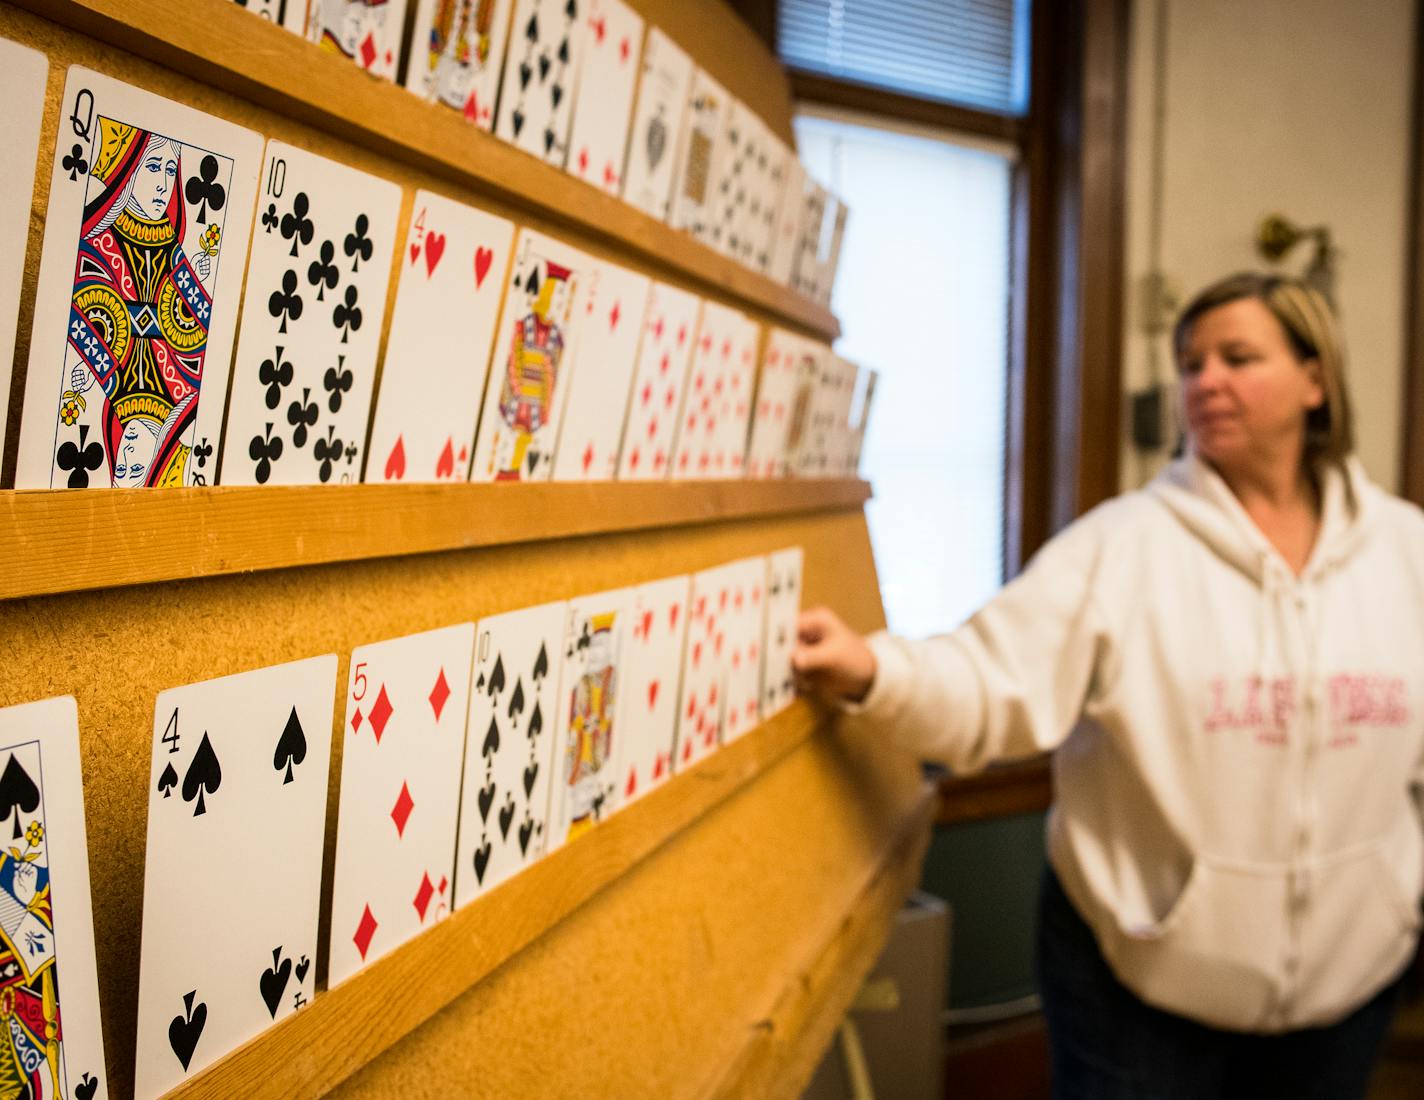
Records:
x=1004, y=790
x=68, y=541
x=345, y=1028
x=226, y=47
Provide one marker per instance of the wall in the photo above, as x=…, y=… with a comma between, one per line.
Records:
x=1300, y=107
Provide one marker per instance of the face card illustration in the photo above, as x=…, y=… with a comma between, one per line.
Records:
x=456, y=53
x=612, y=38
x=610, y=305
x=711, y=439
x=800, y=455
x=23, y=72
x=786, y=221
x=586, y=786
x=669, y=335
x=653, y=659
x=138, y=291
x=311, y=322
x=531, y=362
x=236, y=813
x=785, y=358
x=537, y=93
x=291, y=14
x=452, y=271
x=52, y=1045
x=745, y=613
x=403, y=740
x=509, y=753
x=703, y=695
x=783, y=605
x=658, y=120
x=366, y=32
x=692, y=198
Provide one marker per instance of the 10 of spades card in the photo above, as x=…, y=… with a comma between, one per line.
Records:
x=456, y=53
x=149, y=214
x=652, y=655
x=786, y=358
x=438, y=352
x=589, y=735
x=610, y=305
x=783, y=605
x=537, y=93
x=402, y=743
x=612, y=37
x=236, y=813
x=311, y=322
x=702, y=699
x=365, y=32
x=531, y=362
x=657, y=125
x=52, y=1044
x=669, y=334
x=692, y=197
x=509, y=753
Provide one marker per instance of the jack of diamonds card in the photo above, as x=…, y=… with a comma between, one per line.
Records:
x=149, y=213
x=692, y=197
x=367, y=32
x=669, y=335
x=311, y=322
x=402, y=743
x=530, y=365
x=537, y=93
x=658, y=119
x=786, y=357
x=702, y=699
x=653, y=658
x=509, y=753
x=783, y=604
x=236, y=815
x=612, y=38
x=433, y=375
x=586, y=786
x=456, y=53
x=610, y=305
x=52, y=1044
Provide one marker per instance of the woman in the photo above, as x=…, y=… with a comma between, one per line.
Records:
x=1230, y=664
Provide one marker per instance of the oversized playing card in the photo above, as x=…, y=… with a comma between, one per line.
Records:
x=531, y=362
x=669, y=335
x=537, y=93
x=586, y=786
x=732, y=170
x=438, y=352
x=52, y=1044
x=716, y=409
x=692, y=196
x=403, y=741
x=611, y=305
x=703, y=691
x=812, y=243
x=612, y=39
x=773, y=166
x=827, y=435
x=745, y=626
x=658, y=119
x=456, y=53
x=861, y=420
x=652, y=655
x=800, y=433
x=783, y=605
x=786, y=221
x=22, y=87
x=311, y=322
x=786, y=358
x=291, y=14
x=149, y=213
x=837, y=215
x=236, y=812
x=509, y=754
x=367, y=33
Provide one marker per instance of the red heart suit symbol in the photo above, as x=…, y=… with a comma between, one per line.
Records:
x=395, y=463
x=483, y=258
x=434, y=249
x=652, y=695
x=445, y=465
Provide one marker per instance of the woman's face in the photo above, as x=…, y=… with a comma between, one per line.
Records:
x=1245, y=392
x=136, y=449
x=153, y=182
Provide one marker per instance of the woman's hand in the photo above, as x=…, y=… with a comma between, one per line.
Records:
x=830, y=657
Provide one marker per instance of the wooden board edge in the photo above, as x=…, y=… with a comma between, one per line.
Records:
x=1005, y=790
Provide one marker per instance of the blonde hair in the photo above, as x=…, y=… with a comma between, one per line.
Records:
x=1313, y=332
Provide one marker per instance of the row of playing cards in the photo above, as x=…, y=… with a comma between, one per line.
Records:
x=467, y=753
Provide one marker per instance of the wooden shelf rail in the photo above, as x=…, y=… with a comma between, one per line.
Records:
x=1004, y=790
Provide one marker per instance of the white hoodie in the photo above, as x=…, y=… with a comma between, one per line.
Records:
x=1234, y=814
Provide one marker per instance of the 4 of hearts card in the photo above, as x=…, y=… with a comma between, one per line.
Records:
x=610, y=305
x=456, y=53
x=669, y=335
x=589, y=734
x=366, y=33
x=653, y=659
x=236, y=814
x=52, y=1045
x=438, y=353
x=291, y=14
x=703, y=689
x=692, y=197
x=509, y=754
x=149, y=213
x=531, y=363
x=540, y=72
x=658, y=119
x=741, y=635
x=783, y=605
x=403, y=741
x=716, y=408
x=311, y=322
x=787, y=358
x=612, y=37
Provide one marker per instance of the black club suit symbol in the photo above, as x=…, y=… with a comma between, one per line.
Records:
x=80, y=459
x=264, y=450
x=276, y=376
x=350, y=453
x=296, y=226
x=358, y=242
x=322, y=273
x=204, y=190
x=286, y=303
x=202, y=452
x=302, y=415
x=347, y=315
x=337, y=381
x=327, y=452
x=269, y=217
x=74, y=162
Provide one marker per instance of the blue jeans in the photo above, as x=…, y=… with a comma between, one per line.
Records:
x=1106, y=1044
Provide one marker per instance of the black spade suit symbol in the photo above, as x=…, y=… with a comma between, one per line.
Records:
x=186, y=1029
x=273, y=981
x=86, y=1088
x=541, y=663
x=204, y=777
x=496, y=680
x=291, y=746
x=506, y=815
x=482, y=858
x=18, y=793
x=486, y=800
x=168, y=780
x=536, y=721
x=526, y=829
x=531, y=773
x=516, y=700
x=491, y=745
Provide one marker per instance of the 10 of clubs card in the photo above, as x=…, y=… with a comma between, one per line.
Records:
x=46, y=926
x=653, y=658
x=669, y=334
x=537, y=94
x=236, y=813
x=149, y=214
x=510, y=743
x=403, y=740
x=438, y=353
x=456, y=53
x=311, y=322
